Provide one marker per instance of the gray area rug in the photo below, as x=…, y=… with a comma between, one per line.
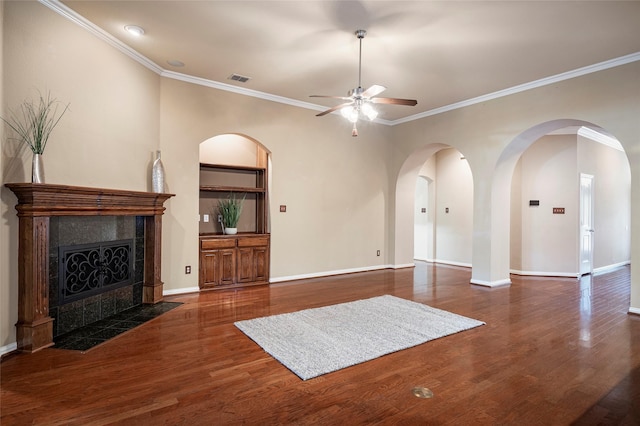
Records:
x=317, y=341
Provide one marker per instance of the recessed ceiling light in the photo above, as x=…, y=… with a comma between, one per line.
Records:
x=135, y=30
x=175, y=63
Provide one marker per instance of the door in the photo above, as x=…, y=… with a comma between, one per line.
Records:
x=586, y=224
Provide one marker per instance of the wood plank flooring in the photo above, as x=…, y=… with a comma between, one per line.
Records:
x=555, y=351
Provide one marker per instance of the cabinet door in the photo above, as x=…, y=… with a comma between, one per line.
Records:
x=261, y=264
x=217, y=267
x=227, y=266
x=245, y=265
x=208, y=268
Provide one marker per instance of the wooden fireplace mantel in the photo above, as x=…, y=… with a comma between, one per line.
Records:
x=36, y=204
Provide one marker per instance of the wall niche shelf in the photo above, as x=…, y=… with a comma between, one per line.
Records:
x=240, y=260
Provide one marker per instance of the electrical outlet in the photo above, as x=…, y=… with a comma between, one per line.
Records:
x=205, y=217
x=219, y=218
x=378, y=253
x=187, y=269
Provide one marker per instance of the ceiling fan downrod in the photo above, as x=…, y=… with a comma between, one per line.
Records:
x=360, y=34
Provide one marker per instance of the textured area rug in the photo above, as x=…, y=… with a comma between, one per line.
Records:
x=317, y=341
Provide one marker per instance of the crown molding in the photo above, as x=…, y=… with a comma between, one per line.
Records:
x=240, y=90
x=63, y=10
x=596, y=136
x=612, y=63
x=77, y=19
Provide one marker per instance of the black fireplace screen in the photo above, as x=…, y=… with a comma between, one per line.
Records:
x=89, y=269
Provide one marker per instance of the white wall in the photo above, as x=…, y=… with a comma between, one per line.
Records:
x=454, y=229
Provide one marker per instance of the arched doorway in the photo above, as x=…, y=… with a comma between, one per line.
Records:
x=435, y=226
x=500, y=235
x=570, y=205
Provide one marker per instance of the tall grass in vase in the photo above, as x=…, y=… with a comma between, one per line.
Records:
x=230, y=209
x=33, y=122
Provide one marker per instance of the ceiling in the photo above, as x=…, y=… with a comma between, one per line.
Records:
x=442, y=53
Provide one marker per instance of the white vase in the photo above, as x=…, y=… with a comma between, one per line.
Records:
x=231, y=231
x=37, y=170
x=157, y=175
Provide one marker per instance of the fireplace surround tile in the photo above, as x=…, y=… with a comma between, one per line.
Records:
x=84, y=338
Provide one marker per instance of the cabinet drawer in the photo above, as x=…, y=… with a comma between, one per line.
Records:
x=217, y=244
x=253, y=242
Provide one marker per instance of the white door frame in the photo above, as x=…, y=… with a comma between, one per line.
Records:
x=586, y=222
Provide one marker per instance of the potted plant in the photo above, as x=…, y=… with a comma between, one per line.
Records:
x=34, y=122
x=230, y=210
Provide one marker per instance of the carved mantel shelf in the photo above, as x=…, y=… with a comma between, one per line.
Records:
x=36, y=204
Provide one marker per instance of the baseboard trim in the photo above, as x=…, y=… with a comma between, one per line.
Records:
x=609, y=268
x=634, y=311
x=492, y=284
x=404, y=265
x=452, y=263
x=173, y=292
x=8, y=348
x=336, y=272
x=545, y=274
x=600, y=270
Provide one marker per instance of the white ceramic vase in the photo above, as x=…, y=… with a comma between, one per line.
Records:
x=231, y=231
x=157, y=175
x=37, y=170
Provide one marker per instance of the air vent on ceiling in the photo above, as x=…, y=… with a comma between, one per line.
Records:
x=238, y=77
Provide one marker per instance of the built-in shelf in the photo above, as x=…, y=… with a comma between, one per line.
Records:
x=233, y=260
x=219, y=181
x=240, y=189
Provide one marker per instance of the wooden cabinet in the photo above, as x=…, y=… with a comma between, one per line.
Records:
x=234, y=261
x=217, y=262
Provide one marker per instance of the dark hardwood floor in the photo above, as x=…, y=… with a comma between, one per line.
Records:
x=553, y=352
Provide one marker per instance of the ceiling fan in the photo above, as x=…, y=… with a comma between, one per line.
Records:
x=360, y=100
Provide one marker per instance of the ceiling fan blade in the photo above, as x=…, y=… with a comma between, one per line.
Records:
x=335, y=108
x=394, y=101
x=373, y=90
x=346, y=98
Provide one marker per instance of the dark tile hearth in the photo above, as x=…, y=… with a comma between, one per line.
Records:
x=84, y=338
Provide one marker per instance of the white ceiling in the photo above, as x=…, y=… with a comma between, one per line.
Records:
x=441, y=53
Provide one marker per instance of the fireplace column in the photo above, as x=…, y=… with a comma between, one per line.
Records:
x=152, y=284
x=34, y=328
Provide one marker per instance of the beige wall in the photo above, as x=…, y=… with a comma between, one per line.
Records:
x=612, y=209
x=106, y=139
x=454, y=191
x=549, y=174
x=492, y=135
x=344, y=195
x=543, y=243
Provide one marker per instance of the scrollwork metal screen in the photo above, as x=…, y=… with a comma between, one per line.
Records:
x=90, y=269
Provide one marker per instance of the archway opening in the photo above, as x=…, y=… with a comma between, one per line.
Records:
x=433, y=216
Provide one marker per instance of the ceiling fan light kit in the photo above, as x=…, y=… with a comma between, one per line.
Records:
x=359, y=101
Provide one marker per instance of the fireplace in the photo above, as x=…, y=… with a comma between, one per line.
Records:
x=55, y=218
x=95, y=268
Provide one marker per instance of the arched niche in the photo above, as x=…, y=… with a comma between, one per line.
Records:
x=234, y=149
x=241, y=155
